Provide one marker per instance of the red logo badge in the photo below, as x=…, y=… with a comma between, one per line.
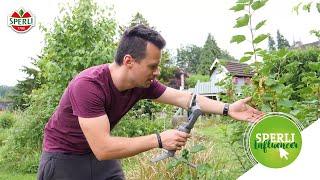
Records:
x=21, y=21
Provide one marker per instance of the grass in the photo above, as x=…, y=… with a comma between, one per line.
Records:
x=6, y=175
x=222, y=160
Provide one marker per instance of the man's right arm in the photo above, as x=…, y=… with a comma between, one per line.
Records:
x=104, y=146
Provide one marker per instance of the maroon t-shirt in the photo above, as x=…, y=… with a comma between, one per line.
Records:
x=90, y=94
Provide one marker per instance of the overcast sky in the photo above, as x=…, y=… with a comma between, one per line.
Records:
x=181, y=22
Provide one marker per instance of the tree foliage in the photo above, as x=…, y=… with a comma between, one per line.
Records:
x=271, y=44
x=5, y=92
x=22, y=91
x=188, y=58
x=197, y=60
x=282, y=42
x=194, y=78
x=138, y=19
x=209, y=53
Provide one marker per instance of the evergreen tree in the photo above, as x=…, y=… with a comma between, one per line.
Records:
x=226, y=56
x=271, y=44
x=21, y=91
x=138, y=19
x=209, y=53
x=282, y=42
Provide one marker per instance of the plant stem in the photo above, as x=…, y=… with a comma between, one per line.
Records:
x=252, y=35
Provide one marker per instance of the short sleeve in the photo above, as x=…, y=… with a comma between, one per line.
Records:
x=155, y=90
x=87, y=98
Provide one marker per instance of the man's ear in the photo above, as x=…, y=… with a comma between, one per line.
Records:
x=128, y=61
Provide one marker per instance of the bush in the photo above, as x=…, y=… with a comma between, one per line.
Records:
x=131, y=127
x=21, y=149
x=6, y=120
x=3, y=136
x=193, y=79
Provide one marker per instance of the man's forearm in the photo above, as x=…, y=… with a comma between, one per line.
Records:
x=121, y=147
x=210, y=106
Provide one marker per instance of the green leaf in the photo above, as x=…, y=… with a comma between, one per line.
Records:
x=315, y=66
x=260, y=38
x=258, y=4
x=21, y=12
x=245, y=59
x=237, y=7
x=265, y=108
x=260, y=24
x=270, y=82
x=307, y=7
x=243, y=1
x=285, y=103
x=296, y=8
x=282, y=53
x=173, y=164
x=318, y=7
x=238, y=38
x=306, y=90
x=185, y=154
x=249, y=52
x=242, y=21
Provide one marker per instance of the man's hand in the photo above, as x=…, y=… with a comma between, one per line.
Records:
x=239, y=110
x=174, y=139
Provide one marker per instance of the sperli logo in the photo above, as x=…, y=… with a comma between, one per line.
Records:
x=275, y=141
x=21, y=21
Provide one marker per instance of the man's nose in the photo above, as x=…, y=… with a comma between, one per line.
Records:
x=157, y=72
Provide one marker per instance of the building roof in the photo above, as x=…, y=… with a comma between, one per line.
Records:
x=239, y=69
x=235, y=68
x=299, y=44
x=205, y=88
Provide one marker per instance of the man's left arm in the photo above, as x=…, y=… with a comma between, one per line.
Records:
x=238, y=110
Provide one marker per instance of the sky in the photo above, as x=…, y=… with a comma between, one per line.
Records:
x=181, y=23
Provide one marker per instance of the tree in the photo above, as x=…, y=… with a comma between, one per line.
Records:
x=22, y=91
x=271, y=44
x=209, y=52
x=188, y=58
x=166, y=67
x=138, y=19
x=193, y=79
x=226, y=56
x=282, y=42
x=5, y=92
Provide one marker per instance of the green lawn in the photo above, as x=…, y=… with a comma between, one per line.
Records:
x=4, y=175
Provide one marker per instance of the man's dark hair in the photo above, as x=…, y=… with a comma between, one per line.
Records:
x=134, y=42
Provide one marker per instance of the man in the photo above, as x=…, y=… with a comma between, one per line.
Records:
x=77, y=142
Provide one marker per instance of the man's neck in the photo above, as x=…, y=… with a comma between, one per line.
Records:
x=119, y=77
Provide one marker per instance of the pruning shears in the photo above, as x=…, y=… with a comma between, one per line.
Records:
x=193, y=114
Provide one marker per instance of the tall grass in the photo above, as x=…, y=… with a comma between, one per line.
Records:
x=218, y=160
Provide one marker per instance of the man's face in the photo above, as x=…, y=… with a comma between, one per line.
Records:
x=147, y=69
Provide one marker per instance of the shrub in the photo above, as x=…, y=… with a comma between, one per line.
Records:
x=130, y=127
x=6, y=120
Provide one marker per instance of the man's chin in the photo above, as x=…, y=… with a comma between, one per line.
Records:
x=146, y=85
